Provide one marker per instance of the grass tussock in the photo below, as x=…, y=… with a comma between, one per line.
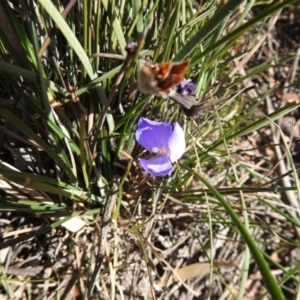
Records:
x=81, y=219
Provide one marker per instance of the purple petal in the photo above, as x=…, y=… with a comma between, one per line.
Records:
x=130, y=47
x=185, y=88
x=157, y=166
x=176, y=143
x=153, y=136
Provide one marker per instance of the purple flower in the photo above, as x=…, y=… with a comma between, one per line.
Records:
x=185, y=88
x=130, y=48
x=164, y=139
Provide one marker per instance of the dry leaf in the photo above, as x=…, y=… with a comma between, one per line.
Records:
x=193, y=270
x=291, y=98
x=74, y=224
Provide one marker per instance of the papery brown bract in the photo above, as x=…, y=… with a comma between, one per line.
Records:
x=160, y=78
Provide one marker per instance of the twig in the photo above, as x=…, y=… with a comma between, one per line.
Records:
x=54, y=29
x=114, y=88
x=108, y=208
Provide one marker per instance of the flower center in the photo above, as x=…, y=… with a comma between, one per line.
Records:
x=161, y=150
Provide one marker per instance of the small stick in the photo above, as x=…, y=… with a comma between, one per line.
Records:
x=108, y=208
x=191, y=105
